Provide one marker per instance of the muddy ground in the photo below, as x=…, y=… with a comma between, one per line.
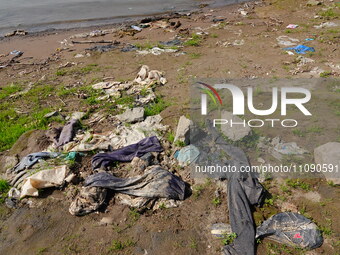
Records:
x=44, y=225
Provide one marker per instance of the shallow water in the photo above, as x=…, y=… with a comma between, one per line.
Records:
x=38, y=15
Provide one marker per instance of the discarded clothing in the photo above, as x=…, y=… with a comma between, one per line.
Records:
x=154, y=183
x=88, y=200
x=187, y=155
x=43, y=179
x=134, y=202
x=244, y=189
x=214, y=150
x=31, y=159
x=301, y=49
x=126, y=154
x=292, y=229
x=67, y=133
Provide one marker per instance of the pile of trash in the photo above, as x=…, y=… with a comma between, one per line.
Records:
x=141, y=88
x=278, y=148
x=136, y=144
x=153, y=181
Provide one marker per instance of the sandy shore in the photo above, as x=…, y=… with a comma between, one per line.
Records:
x=240, y=41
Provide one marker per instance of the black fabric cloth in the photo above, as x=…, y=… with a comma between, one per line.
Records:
x=154, y=183
x=126, y=154
x=244, y=190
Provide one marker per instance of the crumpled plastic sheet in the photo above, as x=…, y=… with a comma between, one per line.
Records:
x=31, y=159
x=121, y=137
x=292, y=229
x=301, y=49
x=43, y=179
x=187, y=155
x=154, y=183
x=68, y=132
x=289, y=148
x=126, y=154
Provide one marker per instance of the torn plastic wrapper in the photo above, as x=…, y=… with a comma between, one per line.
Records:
x=43, y=179
x=292, y=229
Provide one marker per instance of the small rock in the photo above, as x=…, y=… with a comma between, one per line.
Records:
x=236, y=132
x=132, y=115
x=329, y=154
x=183, y=128
x=78, y=115
x=106, y=221
x=8, y=162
